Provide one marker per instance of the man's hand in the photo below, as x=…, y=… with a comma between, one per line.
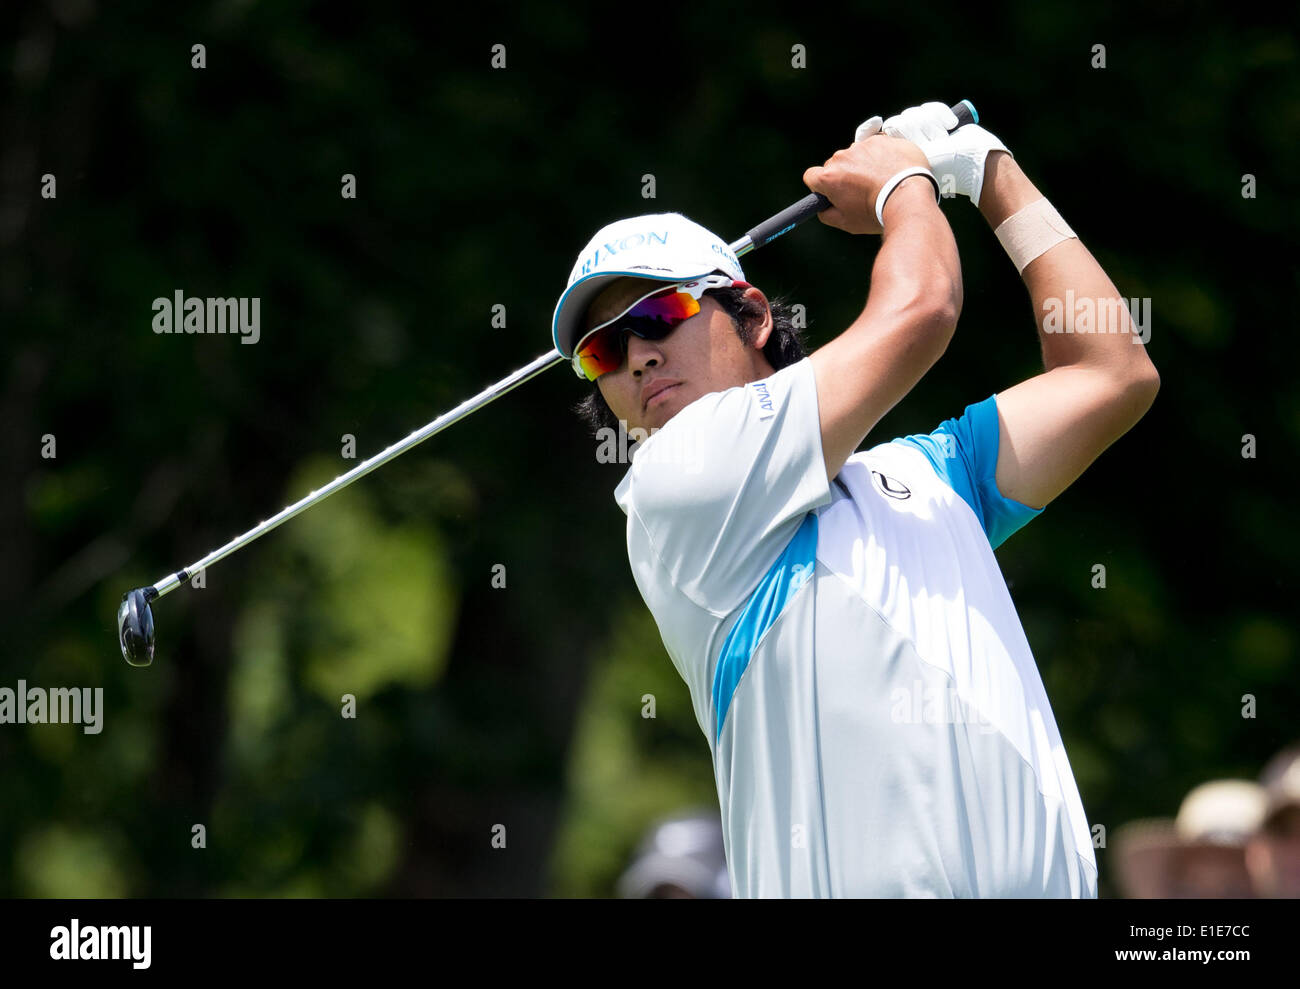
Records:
x=853, y=177
x=957, y=159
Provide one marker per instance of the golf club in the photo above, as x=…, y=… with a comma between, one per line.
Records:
x=135, y=624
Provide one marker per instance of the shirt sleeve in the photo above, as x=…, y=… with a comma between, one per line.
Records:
x=723, y=487
x=964, y=452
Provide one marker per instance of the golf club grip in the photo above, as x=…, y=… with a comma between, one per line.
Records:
x=815, y=202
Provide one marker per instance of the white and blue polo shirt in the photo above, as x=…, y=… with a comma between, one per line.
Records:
x=877, y=722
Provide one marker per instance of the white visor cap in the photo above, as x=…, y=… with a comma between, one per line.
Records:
x=663, y=246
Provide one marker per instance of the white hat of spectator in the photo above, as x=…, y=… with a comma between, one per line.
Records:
x=685, y=851
x=1155, y=856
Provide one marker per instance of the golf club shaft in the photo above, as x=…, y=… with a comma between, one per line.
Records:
x=766, y=232
x=492, y=392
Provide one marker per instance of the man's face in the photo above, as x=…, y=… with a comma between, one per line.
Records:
x=659, y=378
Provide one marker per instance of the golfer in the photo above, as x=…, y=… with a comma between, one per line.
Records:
x=876, y=719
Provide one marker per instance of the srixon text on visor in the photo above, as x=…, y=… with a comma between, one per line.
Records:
x=637, y=240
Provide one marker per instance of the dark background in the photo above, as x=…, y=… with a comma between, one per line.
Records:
x=521, y=707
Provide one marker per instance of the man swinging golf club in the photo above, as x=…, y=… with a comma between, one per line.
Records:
x=876, y=719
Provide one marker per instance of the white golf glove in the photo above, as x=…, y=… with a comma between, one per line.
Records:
x=957, y=159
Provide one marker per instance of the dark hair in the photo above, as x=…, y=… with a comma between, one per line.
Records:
x=785, y=346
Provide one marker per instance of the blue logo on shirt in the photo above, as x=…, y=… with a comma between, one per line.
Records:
x=764, y=398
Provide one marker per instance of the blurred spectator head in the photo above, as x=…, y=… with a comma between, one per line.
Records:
x=680, y=857
x=1273, y=854
x=1200, y=854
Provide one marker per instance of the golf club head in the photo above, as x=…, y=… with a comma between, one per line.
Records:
x=135, y=626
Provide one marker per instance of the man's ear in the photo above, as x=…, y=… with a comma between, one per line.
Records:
x=763, y=332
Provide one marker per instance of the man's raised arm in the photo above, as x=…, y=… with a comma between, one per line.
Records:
x=1096, y=384
x=1097, y=380
x=915, y=296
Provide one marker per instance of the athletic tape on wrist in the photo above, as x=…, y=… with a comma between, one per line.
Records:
x=1031, y=232
x=889, y=187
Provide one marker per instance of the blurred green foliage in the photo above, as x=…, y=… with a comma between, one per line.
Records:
x=479, y=707
x=636, y=755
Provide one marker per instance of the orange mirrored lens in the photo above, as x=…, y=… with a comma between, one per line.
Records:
x=651, y=319
x=600, y=354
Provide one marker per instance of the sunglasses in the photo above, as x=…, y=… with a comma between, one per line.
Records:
x=652, y=317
